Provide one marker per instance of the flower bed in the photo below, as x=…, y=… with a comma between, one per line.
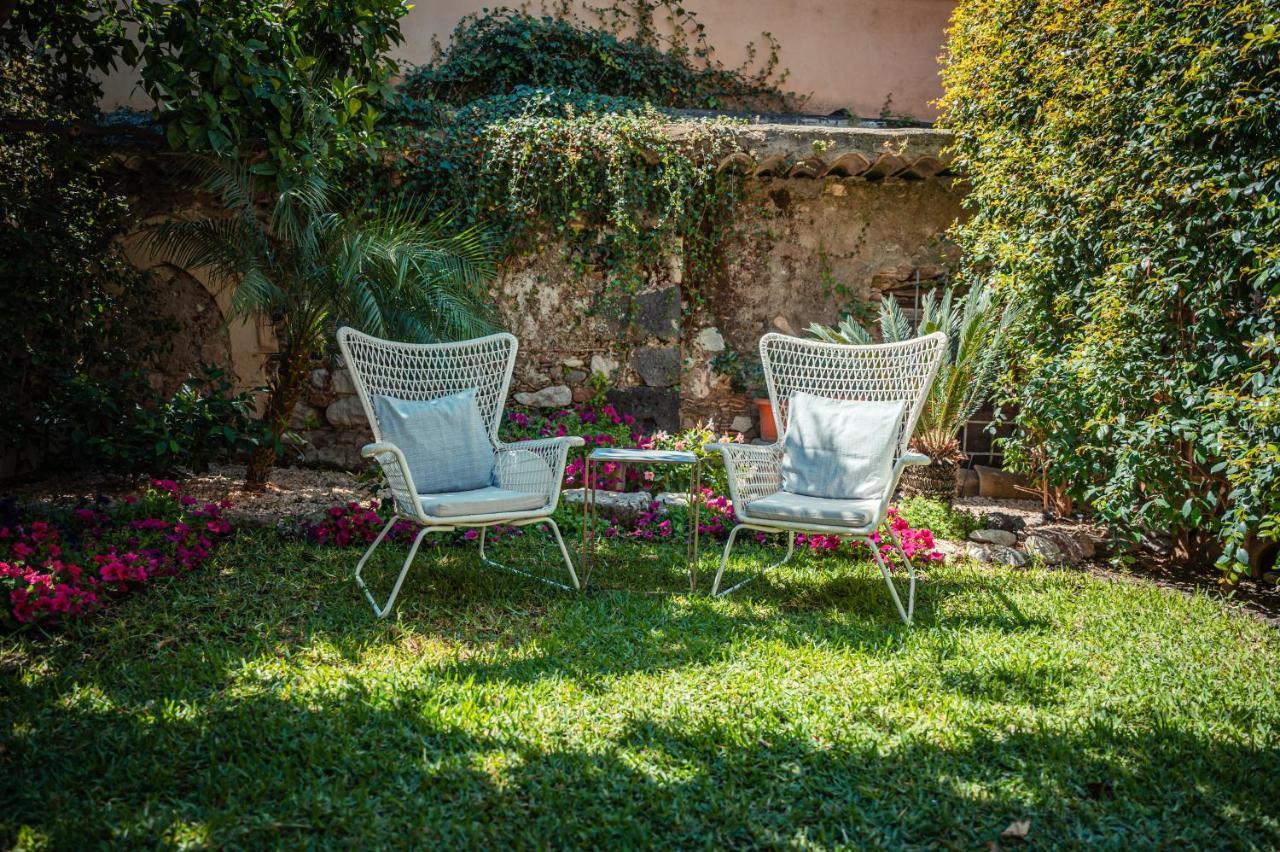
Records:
x=353, y=523
x=60, y=565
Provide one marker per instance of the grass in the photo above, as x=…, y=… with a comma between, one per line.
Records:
x=258, y=703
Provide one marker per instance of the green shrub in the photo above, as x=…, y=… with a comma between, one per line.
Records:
x=496, y=52
x=74, y=308
x=204, y=421
x=944, y=520
x=75, y=391
x=1124, y=159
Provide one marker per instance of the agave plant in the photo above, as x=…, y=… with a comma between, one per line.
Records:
x=306, y=264
x=976, y=326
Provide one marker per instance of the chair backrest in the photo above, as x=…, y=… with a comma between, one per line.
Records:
x=429, y=370
x=883, y=372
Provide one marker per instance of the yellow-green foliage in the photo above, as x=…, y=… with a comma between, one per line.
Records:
x=1125, y=164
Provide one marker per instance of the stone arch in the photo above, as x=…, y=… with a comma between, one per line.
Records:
x=200, y=309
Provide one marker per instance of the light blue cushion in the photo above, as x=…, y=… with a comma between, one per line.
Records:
x=443, y=440
x=839, y=449
x=799, y=508
x=481, y=501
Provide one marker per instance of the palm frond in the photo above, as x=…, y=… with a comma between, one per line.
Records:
x=894, y=326
x=256, y=294
x=225, y=247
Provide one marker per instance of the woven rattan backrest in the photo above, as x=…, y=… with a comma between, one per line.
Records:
x=430, y=370
x=883, y=372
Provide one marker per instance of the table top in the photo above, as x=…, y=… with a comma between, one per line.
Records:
x=644, y=456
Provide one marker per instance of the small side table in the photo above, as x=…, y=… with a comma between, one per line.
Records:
x=647, y=457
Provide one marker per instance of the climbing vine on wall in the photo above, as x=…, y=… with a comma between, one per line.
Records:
x=614, y=189
x=555, y=132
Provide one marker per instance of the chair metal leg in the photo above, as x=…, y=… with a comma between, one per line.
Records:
x=555, y=530
x=382, y=612
x=911, y=571
x=893, y=591
x=564, y=551
x=724, y=561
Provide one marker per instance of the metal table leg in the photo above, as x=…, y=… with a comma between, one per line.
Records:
x=588, y=523
x=691, y=551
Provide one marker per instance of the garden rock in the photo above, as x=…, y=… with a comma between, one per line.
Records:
x=667, y=499
x=304, y=416
x=1002, y=521
x=658, y=313
x=603, y=364
x=996, y=554
x=1075, y=544
x=949, y=548
x=555, y=396
x=345, y=413
x=620, y=506
x=342, y=382
x=1046, y=548
x=710, y=340
x=1004, y=538
x=658, y=368
x=741, y=423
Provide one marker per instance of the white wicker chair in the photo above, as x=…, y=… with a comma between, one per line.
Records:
x=887, y=372
x=411, y=371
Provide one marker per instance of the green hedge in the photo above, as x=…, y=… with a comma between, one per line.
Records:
x=1125, y=164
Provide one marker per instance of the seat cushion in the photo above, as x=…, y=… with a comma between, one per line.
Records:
x=490, y=500
x=443, y=440
x=839, y=449
x=800, y=508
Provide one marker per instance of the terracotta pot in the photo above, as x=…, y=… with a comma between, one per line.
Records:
x=764, y=410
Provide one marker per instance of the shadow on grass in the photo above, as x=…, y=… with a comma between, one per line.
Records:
x=187, y=716
x=387, y=769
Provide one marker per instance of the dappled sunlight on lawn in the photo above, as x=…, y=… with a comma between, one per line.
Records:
x=259, y=701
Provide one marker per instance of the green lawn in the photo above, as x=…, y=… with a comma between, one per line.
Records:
x=257, y=702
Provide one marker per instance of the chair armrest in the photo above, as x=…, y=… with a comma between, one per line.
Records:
x=536, y=466
x=754, y=471
x=911, y=457
x=395, y=468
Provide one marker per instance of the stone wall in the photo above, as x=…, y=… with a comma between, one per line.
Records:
x=818, y=235
x=832, y=218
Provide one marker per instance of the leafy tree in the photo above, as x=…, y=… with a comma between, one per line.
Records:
x=311, y=264
x=68, y=295
x=233, y=76
x=1124, y=159
x=72, y=37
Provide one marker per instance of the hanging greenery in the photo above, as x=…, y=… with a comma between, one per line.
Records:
x=604, y=178
x=553, y=130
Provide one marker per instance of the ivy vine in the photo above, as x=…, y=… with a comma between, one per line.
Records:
x=554, y=131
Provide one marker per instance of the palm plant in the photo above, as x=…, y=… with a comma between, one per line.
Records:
x=306, y=264
x=976, y=325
